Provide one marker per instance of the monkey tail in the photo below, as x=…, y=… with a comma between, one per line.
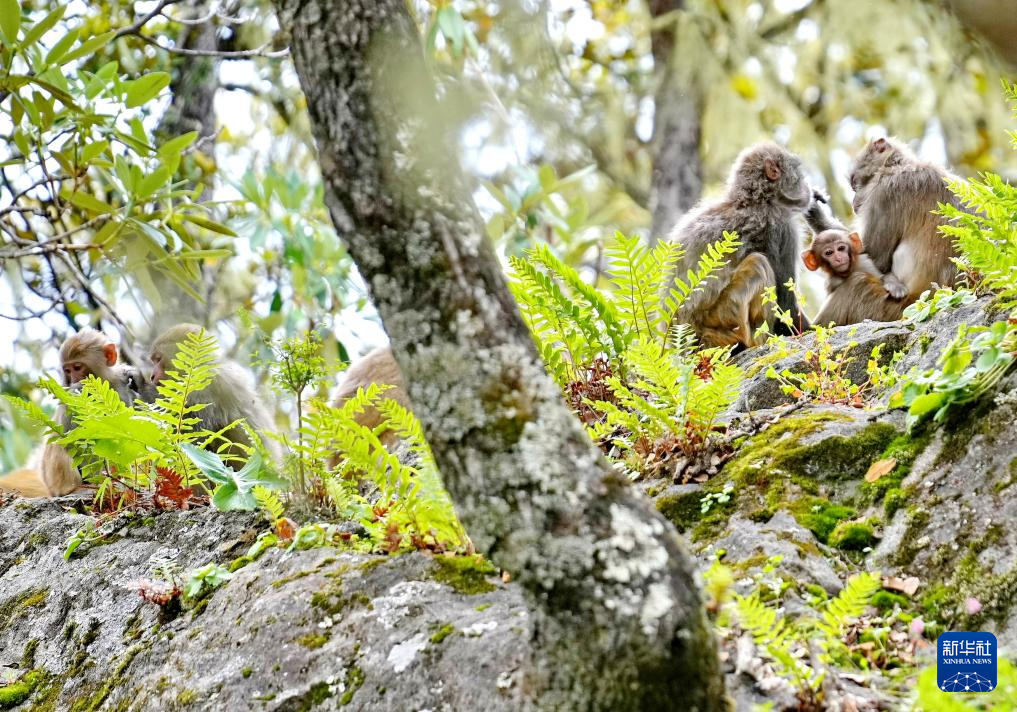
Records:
x=25, y=481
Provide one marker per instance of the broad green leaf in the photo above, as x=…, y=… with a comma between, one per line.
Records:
x=56, y=91
x=923, y=405
x=141, y=90
x=237, y=494
x=36, y=31
x=10, y=19
x=207, y=462
x=86, y=201
x=108, y=232
x=92, y=150
x=208, y=224
x=61, y=47
x=101, y=80
x=89, y=47
x=153, y=181
x=175, y=145
x=121, y=438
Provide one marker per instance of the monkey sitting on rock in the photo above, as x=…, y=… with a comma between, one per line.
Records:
x=766, y=193
x=856, y=289
x=50, y=470
x=895, y=198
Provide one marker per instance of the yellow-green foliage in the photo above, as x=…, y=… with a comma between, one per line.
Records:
x=574, y=323
x=619, y=352
x=820, y=634
x=665, y=394
x=412, y=507
x=134, y=440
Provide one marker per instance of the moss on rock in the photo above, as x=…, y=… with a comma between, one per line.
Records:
x=17, y=692
x=852, y=536
x=466, y=574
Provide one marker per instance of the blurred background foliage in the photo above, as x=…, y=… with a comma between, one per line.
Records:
x=158, y=164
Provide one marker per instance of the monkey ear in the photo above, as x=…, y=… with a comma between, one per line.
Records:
x=880, y=144
x=811, y=263
x=771, y=170
x=856, y=243
x=110, y=350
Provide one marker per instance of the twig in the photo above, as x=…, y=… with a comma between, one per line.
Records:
x=136, y=27
x=222, y=54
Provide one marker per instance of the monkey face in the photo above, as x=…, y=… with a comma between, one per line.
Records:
x=792, y=187
x=75, y=372
x=876, y=156
x=158, y=370
x=838, y=256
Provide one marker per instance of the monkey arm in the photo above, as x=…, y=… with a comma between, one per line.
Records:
x=819, y=216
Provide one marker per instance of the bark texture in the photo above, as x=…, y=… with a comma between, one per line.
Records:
x=677, y=179
x=618, y=623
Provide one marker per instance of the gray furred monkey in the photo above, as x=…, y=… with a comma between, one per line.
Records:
x=766, y=192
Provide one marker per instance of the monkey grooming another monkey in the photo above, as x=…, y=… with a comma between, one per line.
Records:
x=766, y=192
x=51, y=471
x=856, y=289
x=229, y=397
x=895, y=195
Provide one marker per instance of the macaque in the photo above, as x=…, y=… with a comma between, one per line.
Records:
x=377, y=366
x=856, y=289
x=766, y=192
x=51, y=471
x=895, y=195
x=229, y=397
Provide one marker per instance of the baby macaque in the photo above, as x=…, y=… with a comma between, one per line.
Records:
x=857, y=289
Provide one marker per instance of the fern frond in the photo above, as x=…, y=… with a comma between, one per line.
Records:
x=34, y=413
x=270, y=503
x=844, y=609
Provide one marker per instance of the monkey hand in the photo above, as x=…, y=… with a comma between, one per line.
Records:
x=894, y=287
x=818, y=196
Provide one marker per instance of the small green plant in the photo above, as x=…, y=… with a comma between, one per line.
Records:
x=205, y=579
x=234, y=489
x=971, y=364
x=668, y=401
x=575, y=324
x=125, y=448
x=934, y=302
x=721, y=498
x=295, y=364
x=405, y=505
x=826, y=379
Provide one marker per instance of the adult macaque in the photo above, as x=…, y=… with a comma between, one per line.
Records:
x=51, y=471
x=895, y=195
x=229, y=397
x=377, y=366
x=856, y=289
x=766, y=192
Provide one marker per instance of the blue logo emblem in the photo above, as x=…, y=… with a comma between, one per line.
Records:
x=966, y=662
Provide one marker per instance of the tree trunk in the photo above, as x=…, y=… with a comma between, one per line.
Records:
x=677, y=179
x=618, y=623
